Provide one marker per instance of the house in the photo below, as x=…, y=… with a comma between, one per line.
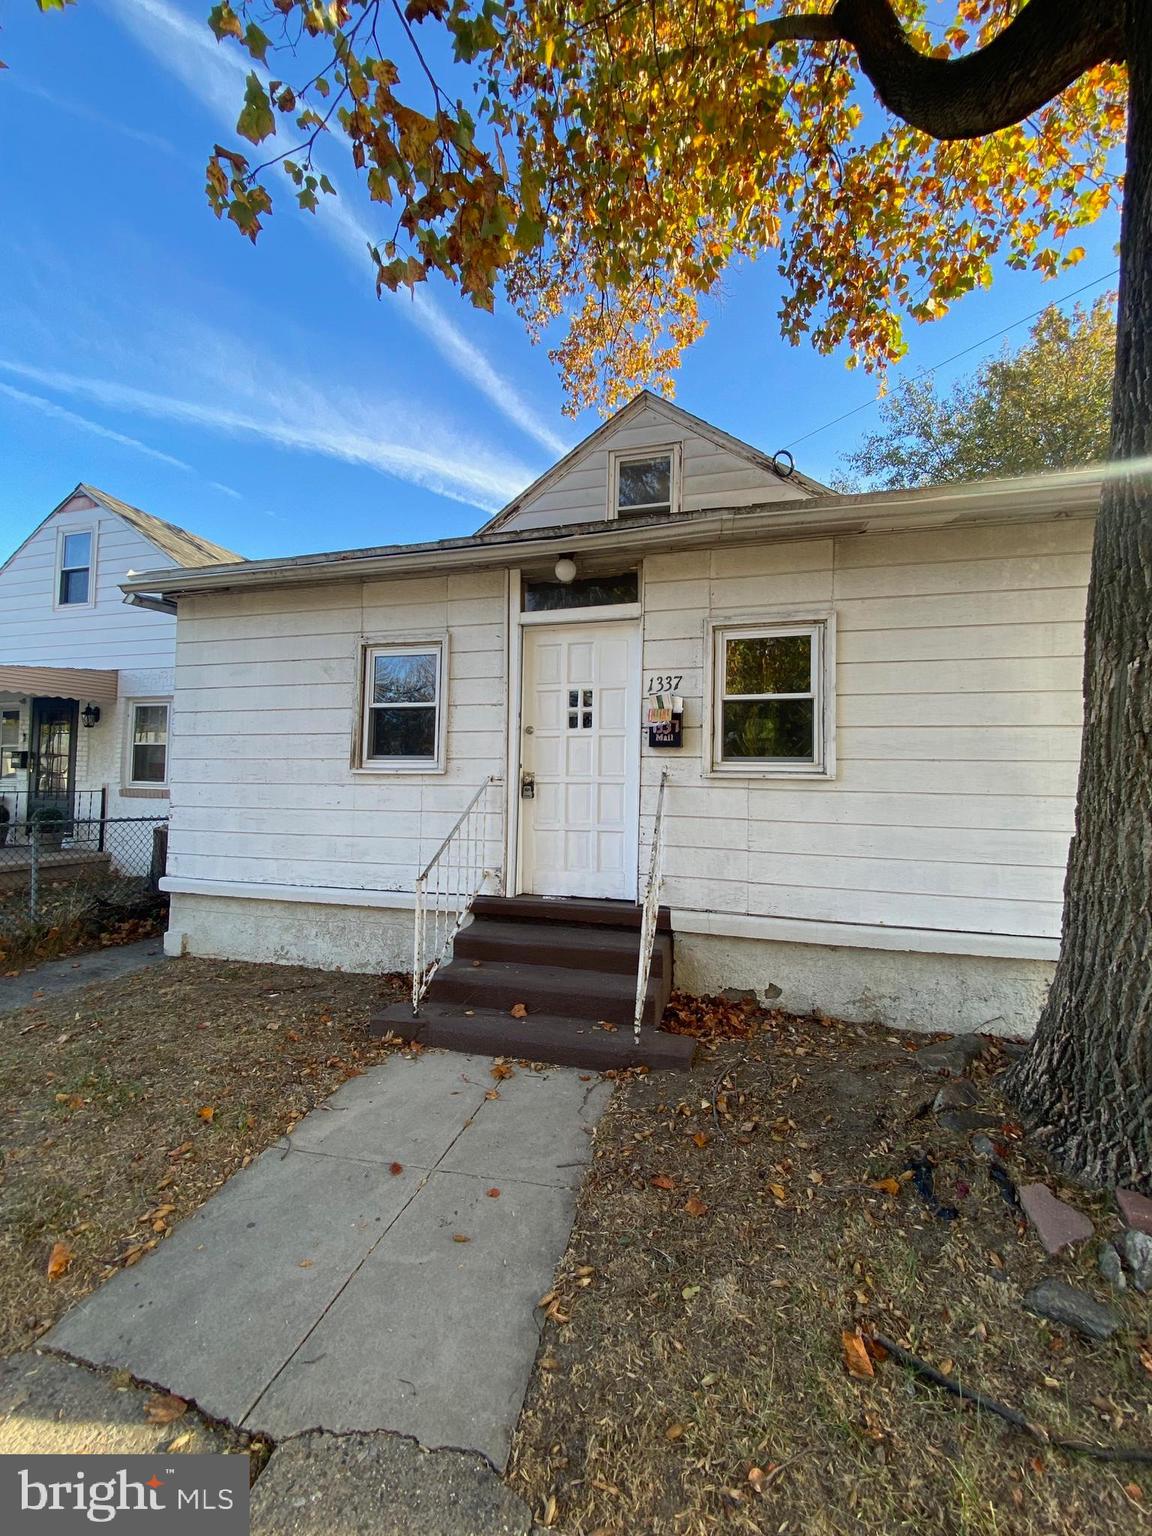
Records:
x=85, y=677
x=864, y=711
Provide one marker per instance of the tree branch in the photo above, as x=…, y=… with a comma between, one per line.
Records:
x=1042, y=50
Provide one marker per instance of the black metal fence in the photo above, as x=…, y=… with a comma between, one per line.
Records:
x=83, y=874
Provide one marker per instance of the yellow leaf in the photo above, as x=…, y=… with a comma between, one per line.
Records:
x=59, y=1260
x=856, y=1358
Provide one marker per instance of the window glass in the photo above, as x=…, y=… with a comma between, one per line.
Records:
x=9, y=741
x=644, y=485
x=584, y=592
x=769, y=708
x=149, y=744
x=403, y=705
x=75, y=568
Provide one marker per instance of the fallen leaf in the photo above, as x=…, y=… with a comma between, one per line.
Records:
x=519, y=1011
x=493, y=1194
x=207, y=1113
x=701, y=1138
x=550, y=1510
x=662, y=1181
x=694, y=1206
x=59, y=1260
x=460, y=1237
x=779, y=1191
x=857, y=1361
x=305, y=1263
x=549, y=1363
x=493, y=1093
x=674, y=1432
x=500, y=1070
x=395, y=1169
x=164, y=1408
x=757, y=1477
x=885, y=1186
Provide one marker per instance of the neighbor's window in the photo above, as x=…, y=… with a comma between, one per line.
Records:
x=769, y=704
x=403, y=689
x=75, y=578
x=9, y=741
x=148, y=745
x=644, y=483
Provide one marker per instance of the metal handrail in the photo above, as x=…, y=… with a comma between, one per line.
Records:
x=651, y=906
x=447, y=886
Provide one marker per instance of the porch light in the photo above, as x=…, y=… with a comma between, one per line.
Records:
x=565, y=570
x=90, y=715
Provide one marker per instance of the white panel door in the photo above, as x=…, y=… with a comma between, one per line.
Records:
x=580, y=742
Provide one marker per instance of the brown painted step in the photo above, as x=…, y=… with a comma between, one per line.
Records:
x=548, y=989
x=564, y=1041
x=568, y=909
x=577, y=947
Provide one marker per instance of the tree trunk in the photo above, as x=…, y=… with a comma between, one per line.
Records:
x=1087, y=1081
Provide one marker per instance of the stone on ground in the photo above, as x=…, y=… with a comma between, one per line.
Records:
x=49, y=1405
x=955, y=1095
x=381, y=1485
x=1137, y=1249
x=1071, y=1308
x=961, y=1121
x=1058, y=1224
x=1136, y=1209
x=1111, y=1268
x=951, y=1057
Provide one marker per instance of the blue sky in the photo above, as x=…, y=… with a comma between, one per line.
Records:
x=263, y=396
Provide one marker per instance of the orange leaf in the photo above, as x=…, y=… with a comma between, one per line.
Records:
x=207, y=1112
x=518, y=1011
x=701, y=1138
x=493, y=1194
x=459, y=1237
x=694, y=1206
x=163, y=1408
x=885, y=1186
x=500, y=1070
x=856, y=1358
x=662, y=1181
x=674, y=1432
x=59, y=1260
x=395, y=1169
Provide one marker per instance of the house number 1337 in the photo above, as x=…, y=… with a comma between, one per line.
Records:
x=665, y=682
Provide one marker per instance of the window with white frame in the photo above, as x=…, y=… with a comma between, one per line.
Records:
x=146, y=764
x=403, y=706
x=770, y=698
x=644, y=483
x=74, y=584
x=9, y=742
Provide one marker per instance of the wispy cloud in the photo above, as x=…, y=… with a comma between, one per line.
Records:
x=78, y=108
x=215, y=73
x=306, y=418
x=70, y=418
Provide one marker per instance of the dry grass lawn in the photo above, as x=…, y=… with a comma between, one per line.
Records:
x=691, y=1377
x=128, y=1103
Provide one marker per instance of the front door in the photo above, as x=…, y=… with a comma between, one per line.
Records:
x=580, y=760
x=53, y=753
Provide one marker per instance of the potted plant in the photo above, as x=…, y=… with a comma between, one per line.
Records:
x=51, y=823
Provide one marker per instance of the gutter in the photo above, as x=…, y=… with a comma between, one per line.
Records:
x=1076, y=494
x=153, y=604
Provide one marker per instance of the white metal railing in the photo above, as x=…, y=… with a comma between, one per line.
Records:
x=448, y=885
x=651, y=906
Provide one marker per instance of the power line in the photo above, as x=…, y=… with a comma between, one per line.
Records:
x=975, y=346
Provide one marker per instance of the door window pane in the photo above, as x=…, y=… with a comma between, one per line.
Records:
x=644, y=484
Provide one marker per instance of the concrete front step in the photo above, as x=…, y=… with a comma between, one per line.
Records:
x=577, y=947
x=553, y=989
x=564, y=1041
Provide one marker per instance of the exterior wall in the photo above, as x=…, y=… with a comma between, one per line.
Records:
x=958, y=730
x=712, y=476
x=332, y=938
x=263, y=784
x=923, y=992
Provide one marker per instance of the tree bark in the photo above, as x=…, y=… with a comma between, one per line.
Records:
x=1087, y=1080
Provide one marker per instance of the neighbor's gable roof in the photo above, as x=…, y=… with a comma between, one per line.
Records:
x=186, y=549
x=676, y=416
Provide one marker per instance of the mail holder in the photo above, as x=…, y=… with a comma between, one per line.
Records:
x=665, y=721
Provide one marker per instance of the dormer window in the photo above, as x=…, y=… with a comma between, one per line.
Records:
x=644, y=483
x=74, y=569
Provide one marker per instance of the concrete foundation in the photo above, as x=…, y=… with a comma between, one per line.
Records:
x=332, y=938
x=907, y=990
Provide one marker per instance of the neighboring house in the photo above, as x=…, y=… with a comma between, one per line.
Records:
x=85, y=677
x=870, y=789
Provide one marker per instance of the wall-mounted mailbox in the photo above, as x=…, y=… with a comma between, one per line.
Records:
x=665, y=721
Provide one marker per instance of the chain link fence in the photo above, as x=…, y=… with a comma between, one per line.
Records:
x=78, y=877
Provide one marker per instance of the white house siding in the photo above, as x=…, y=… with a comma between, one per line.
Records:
x=263, y=787
x=958, y=727
x=106, y=635
x=712, y=476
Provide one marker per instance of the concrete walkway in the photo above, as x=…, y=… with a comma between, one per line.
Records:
x=72, y=971
x=377, y=1271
